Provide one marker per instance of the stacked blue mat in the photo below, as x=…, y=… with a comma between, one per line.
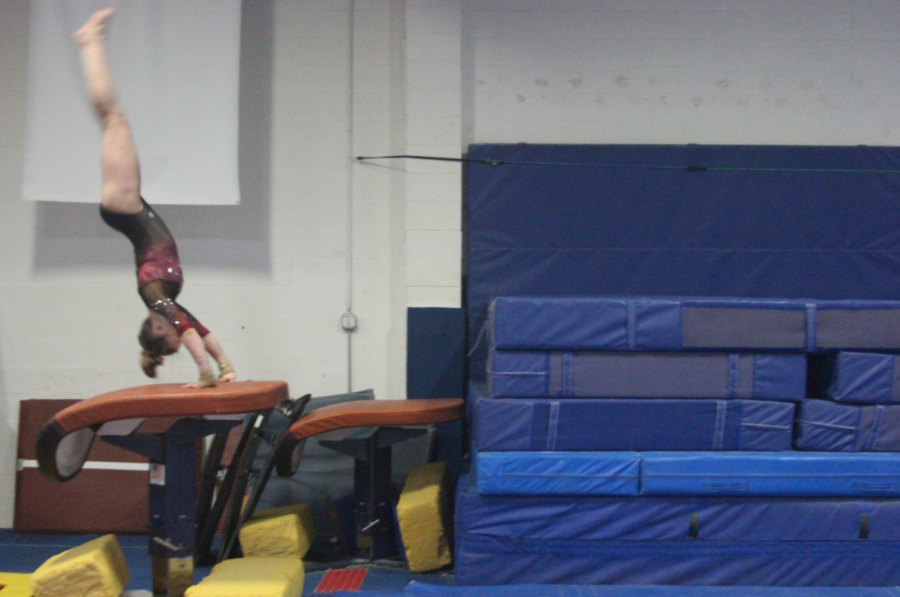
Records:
x=647, y=440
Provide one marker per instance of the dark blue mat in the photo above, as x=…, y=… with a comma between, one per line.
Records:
x=708, y=519
x=649, y=323
x=824, y=426
x=646, y=375
x=858, y=377
x=482, y=560
x=653, y=323
x=585, y=424
x=675, y=540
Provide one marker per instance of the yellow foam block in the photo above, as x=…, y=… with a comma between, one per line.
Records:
x=15, y=585
x=95, y=569
x=287, y=531
x=420, y=515
x=252, y=577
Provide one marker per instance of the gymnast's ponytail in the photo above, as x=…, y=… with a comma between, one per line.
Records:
x=154, y=349
x=149, y=363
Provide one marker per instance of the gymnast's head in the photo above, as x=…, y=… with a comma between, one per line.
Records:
x=158, y=339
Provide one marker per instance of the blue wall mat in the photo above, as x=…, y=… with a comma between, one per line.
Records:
x=435, y=368
x=436, y=352
x=569, y=220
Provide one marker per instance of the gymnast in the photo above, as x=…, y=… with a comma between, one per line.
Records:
x=169, y=325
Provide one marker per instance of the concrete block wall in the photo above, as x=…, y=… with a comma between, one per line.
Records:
x=318, y=233
x=699, y=71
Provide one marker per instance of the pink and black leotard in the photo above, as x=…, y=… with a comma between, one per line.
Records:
x=158, y=269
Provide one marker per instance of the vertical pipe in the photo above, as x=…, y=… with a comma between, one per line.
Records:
x=349, y=317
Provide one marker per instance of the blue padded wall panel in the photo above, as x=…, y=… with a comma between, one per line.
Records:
x=435, y=359
x=690, y=220
x=435, y=368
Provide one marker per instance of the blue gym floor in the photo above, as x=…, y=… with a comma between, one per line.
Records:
x=23, y=553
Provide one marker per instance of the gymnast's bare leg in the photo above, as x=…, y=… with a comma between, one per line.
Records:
x=121, y=191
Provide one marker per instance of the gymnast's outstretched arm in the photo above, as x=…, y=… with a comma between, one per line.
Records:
x=195, y=345
x=226, y=371
x=199, y=347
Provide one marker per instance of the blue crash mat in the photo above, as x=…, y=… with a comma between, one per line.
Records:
x=557, y=473
x=676, y=518
x=646, y=323
x=481, y=560
x=857, y=325
x=770, y=474
x=825, y=474
x=691, y=323
x=675, y=540
x=860, y=377
x=827, y=426
x=586, y=424
x=646, y=375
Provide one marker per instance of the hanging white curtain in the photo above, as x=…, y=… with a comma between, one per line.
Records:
x=175, y=65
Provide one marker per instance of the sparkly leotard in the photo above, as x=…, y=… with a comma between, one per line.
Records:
x=158, y=269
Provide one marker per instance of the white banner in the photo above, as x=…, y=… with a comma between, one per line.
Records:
x=175, y=66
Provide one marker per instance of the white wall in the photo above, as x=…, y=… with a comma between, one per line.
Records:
x=691, y=71
x=324, y=81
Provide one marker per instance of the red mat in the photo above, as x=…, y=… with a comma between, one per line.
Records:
x=341, y=580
